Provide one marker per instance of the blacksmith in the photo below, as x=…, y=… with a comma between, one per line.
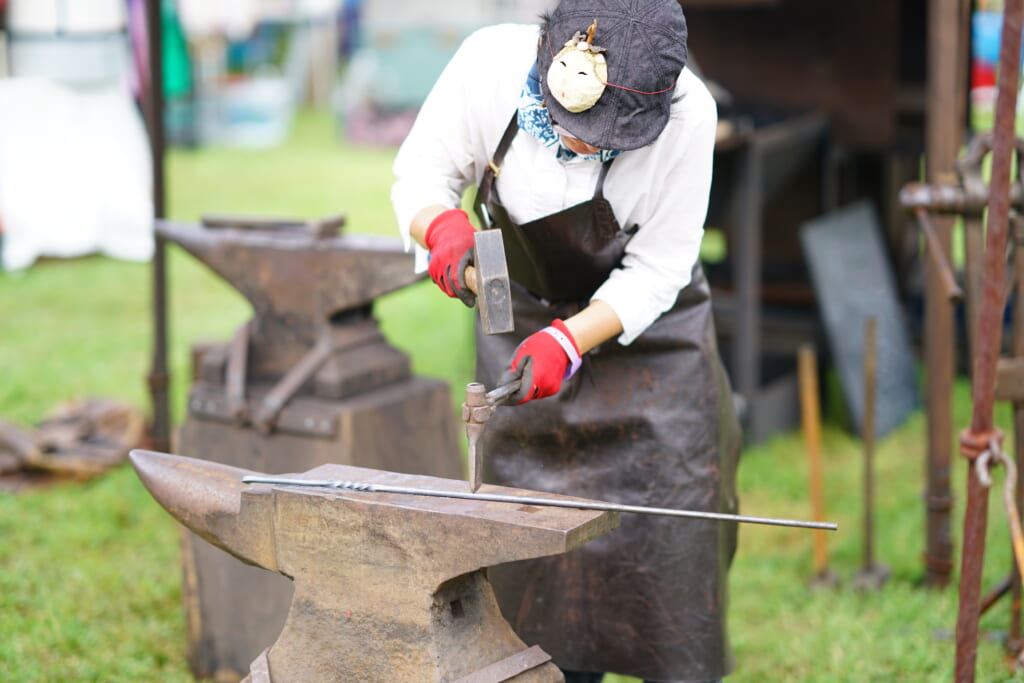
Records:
x=591, y=144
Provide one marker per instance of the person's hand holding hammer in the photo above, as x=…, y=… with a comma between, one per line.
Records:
x=467, y=264
x=449, y=237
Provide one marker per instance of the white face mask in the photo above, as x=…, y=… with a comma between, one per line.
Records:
x=578, y=74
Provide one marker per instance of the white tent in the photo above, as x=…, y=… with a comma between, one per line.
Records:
x=75, y=174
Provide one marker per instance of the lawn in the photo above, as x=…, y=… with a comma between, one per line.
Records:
x=89, y=582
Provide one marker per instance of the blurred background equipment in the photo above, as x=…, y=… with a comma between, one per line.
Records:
x=402, y=48
x=74, y=158
x=77, y=441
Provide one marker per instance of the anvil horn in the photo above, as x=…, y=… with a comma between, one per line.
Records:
x=207, y=498
x=194, y=239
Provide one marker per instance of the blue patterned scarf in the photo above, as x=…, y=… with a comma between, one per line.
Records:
x=533, y=117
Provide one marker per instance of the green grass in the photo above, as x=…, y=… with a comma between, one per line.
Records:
x=89, y=582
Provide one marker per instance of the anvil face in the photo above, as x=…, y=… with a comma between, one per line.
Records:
x=295, y=275
x=387, y=586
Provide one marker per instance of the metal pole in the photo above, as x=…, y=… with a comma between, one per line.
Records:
x=535, y=500
x=158, y=379
x=1014, y=641
x=746, y=343
x=987, y=341
x=871, y=576
x=868, y=437
x=945, y=107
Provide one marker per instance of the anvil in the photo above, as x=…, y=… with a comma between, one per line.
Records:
x=387, y=587
x=296, y=280
x=311, y=291
x=309, y=380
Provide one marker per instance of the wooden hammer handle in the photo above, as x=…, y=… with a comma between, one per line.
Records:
x=470, y=278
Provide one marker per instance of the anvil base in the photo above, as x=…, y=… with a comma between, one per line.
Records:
x=466, y=628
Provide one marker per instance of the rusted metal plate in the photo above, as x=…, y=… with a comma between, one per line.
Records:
x=853, y=281
x=509, y=668
x=387, y=586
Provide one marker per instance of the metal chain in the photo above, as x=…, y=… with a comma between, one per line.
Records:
x=982, y=465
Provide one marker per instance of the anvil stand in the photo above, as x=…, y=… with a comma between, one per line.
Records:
x=307, y=381
x=388, y=587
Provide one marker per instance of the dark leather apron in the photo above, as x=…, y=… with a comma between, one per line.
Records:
x=651, y=423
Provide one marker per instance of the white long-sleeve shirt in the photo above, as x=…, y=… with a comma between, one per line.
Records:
x=663, y=187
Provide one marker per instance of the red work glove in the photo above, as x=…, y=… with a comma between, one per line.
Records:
x=449, y=238
x=541, y=362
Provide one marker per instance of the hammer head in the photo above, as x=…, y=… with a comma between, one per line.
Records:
x=494, y=295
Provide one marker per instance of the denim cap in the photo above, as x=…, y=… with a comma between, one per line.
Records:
x=645, y=49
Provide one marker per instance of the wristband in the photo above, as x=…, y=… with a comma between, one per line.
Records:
x=570, y=350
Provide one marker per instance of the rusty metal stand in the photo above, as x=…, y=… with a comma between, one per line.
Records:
x=982, y=435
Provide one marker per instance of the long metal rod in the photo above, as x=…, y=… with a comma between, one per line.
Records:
x=535, y=500
x=988, y=339
x=990, y=313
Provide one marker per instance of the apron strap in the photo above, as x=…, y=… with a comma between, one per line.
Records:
x=486, y=185
x=599, y=192
x=506, y=141
x=494, y=165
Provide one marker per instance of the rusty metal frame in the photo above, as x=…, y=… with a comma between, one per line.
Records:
x=970, y=198
x=982, y=432
x=981, y=435
x=993, y=378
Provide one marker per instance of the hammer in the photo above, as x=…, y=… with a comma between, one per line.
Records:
x=488, y=280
